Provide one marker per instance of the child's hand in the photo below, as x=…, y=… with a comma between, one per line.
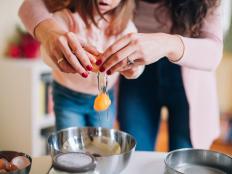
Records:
x=70, y=54
x=133, y=73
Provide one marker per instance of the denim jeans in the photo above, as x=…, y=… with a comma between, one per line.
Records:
x=75, y=109
x=141, y=100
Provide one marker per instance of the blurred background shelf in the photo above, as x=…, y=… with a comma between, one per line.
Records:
x=47, y=121
x=20, y=106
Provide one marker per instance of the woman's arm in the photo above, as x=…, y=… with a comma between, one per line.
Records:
x=33, y=12
x=59, y=43
x=132, y=71
x=202, y=53
x=205, y=53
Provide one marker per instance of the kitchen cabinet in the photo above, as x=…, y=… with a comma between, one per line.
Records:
x=21, y=120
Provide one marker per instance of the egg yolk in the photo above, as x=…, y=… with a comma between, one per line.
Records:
x=102, y=102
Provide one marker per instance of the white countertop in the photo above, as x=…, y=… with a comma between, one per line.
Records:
x=140, y=163
x=146, y=163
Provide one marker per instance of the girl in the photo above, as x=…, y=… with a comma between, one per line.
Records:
x=89, y=21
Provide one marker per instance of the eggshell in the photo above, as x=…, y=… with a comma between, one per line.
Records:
x=20, y=162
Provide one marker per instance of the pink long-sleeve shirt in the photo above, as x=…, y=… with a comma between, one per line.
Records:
x=73, y=22
x=201, y=57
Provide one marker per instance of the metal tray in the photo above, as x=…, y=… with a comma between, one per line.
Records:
x=197, y=161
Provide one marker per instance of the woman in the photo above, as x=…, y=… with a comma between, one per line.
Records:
x=189, y=92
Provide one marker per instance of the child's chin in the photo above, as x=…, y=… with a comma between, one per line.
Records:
x=103, y=10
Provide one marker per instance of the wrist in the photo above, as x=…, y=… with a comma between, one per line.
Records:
x=176, y=48
x=42, y=29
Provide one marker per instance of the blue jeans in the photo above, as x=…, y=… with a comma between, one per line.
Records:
x=75, y=109
x=141, y=100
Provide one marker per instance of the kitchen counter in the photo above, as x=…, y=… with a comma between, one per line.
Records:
x=140, y=163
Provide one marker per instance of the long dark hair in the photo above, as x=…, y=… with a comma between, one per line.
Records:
x=120, y=15
x=186, y=15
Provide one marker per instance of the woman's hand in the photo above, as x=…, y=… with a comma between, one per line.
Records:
x=141, y=49
x=133, y=72
x=70, y=54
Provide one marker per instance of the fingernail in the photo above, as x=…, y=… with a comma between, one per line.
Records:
x=102, y=69
x=85, y=75
x=89, y=68
x=99, y=62
x=108, y=72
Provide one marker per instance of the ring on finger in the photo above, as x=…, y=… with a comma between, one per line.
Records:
x=129, y=61
x=60, y=60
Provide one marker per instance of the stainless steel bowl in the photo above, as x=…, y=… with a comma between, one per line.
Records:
x=9, y=155
x=197, y=161
x=112, y=148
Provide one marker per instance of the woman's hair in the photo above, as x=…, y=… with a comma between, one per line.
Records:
x=120, y=16
x=186, y=15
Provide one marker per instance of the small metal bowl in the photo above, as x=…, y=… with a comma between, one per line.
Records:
x=197, y=161
x=111, y=148
x=9, y=155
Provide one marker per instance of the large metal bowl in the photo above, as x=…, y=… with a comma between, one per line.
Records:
x=197, y=161
x=112, y=148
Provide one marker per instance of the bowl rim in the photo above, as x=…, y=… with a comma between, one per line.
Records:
x=98, y=128
x=189, y=149
x=19, y=154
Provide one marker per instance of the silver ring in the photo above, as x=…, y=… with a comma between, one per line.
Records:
x=129, y=61
x=60, y=60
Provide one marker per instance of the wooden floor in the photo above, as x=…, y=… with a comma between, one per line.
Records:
x=218, y=145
